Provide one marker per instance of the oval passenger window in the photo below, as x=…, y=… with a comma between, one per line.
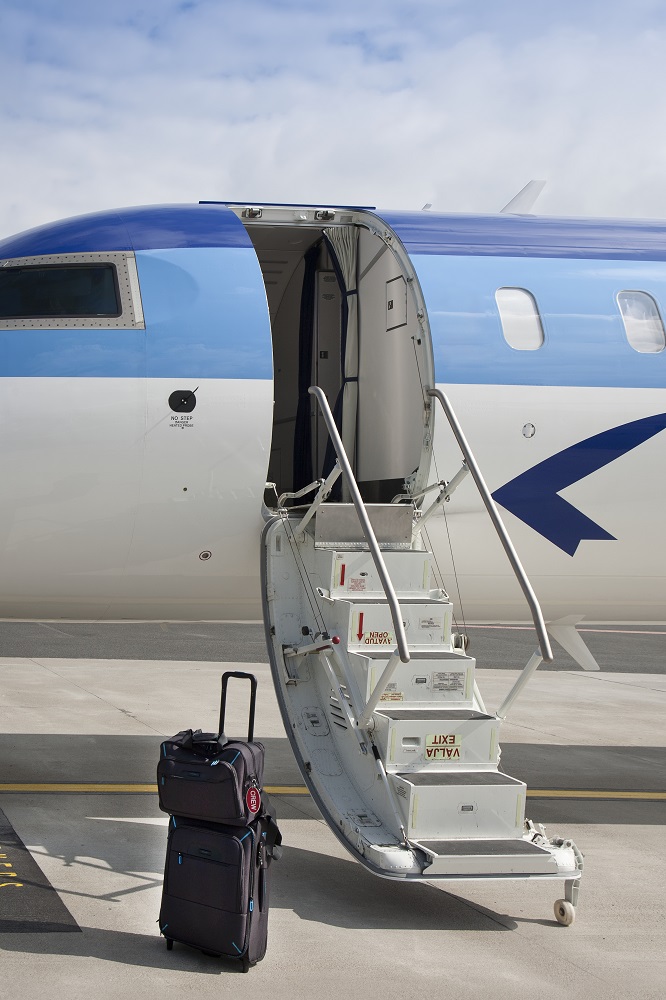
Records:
x=642, y=322
x=521, y=323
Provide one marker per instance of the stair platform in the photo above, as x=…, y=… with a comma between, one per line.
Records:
x=431, y=679
x=487, y=857
x=435, y=738
x=451, y=804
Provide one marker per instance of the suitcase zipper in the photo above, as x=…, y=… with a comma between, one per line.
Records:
x=250, y=908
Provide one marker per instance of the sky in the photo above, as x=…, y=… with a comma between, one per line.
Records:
x=368, y=102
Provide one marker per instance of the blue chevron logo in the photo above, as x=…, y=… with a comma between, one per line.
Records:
x=534, y=497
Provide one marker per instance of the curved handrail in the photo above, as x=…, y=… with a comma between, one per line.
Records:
x=357, y=500
x=516, y=565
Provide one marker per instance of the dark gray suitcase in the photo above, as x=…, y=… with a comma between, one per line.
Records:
x=216, y=886
x=208, y=777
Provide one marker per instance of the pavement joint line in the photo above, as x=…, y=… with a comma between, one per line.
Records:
x=151, y=789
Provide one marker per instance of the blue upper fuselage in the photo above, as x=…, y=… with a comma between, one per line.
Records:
x=205, y=310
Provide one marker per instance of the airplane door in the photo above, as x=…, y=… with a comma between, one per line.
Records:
x=208, y=427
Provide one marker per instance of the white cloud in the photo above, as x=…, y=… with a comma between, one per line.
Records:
x=385, y=103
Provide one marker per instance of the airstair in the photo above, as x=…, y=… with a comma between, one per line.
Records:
x=380, y=698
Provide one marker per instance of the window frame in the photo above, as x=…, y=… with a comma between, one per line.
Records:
x=623, y=316
x=127, y=287
x=536, y=314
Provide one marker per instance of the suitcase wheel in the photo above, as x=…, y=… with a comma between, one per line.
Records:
x=245, y=963
x=169, y=944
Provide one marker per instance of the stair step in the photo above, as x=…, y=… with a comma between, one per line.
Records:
x=337, y=526
x=352, y=573
x=368, y=624
x=430, y=679
x=448, y=805
x=485, y=857
x=451, y=778
x=436, y=738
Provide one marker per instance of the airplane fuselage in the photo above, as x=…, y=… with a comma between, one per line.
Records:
x=138, y=437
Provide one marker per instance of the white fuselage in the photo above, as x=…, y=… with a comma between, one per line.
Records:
x=114, y=505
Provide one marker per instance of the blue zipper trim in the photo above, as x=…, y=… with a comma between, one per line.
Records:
x=251, y=905
x=245, y=835
x=235, y=758
x=237, y=948
x=162, y=929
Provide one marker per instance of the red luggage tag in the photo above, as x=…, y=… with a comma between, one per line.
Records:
x=253, y=800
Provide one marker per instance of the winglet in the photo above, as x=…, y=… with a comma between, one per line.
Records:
x=525, y=200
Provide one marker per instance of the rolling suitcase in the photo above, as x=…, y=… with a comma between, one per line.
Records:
x=208, y=777
x=216, y=886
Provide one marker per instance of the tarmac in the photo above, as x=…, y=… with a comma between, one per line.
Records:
x=83, y=709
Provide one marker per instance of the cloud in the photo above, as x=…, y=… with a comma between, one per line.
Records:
x=387, y=103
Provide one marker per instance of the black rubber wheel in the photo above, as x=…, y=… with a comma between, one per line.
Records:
x=169, y=944
x=245, y=963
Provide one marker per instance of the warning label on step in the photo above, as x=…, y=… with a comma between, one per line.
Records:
x=357, y=583
x=443, y=746
x=392, y=694
x=448, y=681
x=369, y=637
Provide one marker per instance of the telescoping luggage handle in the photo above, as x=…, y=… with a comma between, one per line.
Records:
x=253, y=699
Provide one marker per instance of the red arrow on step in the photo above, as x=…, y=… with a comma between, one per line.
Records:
x=360, y=626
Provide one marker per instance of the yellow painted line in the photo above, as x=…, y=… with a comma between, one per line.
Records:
x=287, y=790
x=125, y=789
x=575, y=793
x=151, y=789
x=76, y=787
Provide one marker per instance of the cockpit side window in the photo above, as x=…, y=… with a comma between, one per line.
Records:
x=70, y=290
x=519, y=315
x=642, y=323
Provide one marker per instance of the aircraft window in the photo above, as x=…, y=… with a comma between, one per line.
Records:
x=519, y=314
x=642, y=322
x=72, y=290
x=66, y=290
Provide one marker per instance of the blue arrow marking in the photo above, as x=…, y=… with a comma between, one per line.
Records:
x=533, y=496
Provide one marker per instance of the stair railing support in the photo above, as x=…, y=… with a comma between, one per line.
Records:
x=370, y=537
x=516, y=565
x=378, y=690
x=535, y=661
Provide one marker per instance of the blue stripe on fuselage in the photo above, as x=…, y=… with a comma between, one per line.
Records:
x=529, y=236
x=206, y=317
x=585, y=342
x=152, y=227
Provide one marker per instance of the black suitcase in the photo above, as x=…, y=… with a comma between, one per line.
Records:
x=205, y=776
x=216, y=886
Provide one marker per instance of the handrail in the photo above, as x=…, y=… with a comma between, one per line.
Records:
x=516, y=565
x=357, y=500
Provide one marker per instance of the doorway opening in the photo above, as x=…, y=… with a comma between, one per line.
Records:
x=346, y=315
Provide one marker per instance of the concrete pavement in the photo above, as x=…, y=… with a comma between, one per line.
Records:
x=335, y=930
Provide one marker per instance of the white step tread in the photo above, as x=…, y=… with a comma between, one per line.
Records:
x=425, y=714
x=428, y=779
x=484, y=848
x=483, y=858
